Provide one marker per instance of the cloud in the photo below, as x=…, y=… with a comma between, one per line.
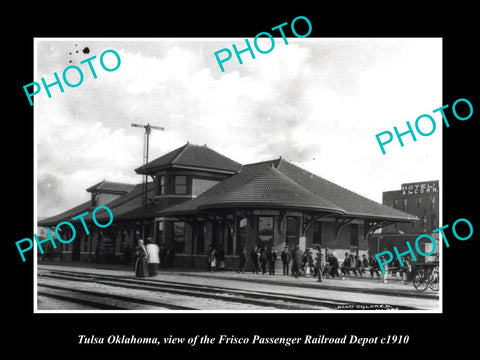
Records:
x=317, y=102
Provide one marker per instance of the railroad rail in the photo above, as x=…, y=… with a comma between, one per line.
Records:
x=103, y=301
x=260, y=299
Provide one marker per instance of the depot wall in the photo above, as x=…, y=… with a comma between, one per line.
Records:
x=111, y=243
x=350, y=239
x=84, y=250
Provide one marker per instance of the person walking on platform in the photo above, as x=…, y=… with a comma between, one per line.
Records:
x=153, y=252
x=141, y=264
x=285, y=255
x=255, y=258
x=272, y=258
x=319, y=265
x=297, y=258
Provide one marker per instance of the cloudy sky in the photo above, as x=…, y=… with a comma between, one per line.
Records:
x=316, y=102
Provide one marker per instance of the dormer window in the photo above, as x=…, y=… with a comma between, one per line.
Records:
x=161, y=185
x=180, y=185
x=94, y=200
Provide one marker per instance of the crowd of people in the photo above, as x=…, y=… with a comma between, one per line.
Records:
x=147, y=258
x=305, y=263
x=302, y=263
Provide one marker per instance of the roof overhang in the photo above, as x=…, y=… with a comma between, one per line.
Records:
x=262, y=206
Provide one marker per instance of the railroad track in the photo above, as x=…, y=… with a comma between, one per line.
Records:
x=102, y=301
x=410, y=293
x=260, y=299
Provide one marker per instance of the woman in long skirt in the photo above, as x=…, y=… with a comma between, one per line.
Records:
x=141, y=264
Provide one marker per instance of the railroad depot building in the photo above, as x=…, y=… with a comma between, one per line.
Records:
x=198, y=197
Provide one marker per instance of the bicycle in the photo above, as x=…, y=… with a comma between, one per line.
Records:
x=427, y=278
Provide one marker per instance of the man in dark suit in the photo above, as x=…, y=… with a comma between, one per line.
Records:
x=285, y=255
x=272, y=257
x=254, y=257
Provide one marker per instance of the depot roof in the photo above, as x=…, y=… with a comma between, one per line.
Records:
x=266, y=187
x=105, y=186
x=133, y=199
x=192, y=156
x=77, y=210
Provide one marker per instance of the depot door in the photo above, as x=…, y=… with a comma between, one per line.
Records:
x=293, y=232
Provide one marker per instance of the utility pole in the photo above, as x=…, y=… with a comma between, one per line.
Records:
x=148, y=130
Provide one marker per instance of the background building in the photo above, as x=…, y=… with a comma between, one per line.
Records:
x=420, y=199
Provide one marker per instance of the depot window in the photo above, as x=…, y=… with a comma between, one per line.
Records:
x=265, y=230
x=241, y=234
x=161, y=185
x=317, y=233
x=180, y=185
x=160, y=231
x=419, y=202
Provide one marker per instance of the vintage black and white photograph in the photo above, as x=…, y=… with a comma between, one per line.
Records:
x=209, y=175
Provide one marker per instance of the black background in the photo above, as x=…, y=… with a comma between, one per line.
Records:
x=56, y=335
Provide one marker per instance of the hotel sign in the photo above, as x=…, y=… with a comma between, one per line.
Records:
x=420, y=188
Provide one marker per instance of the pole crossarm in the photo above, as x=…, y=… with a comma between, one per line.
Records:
x=148, y=129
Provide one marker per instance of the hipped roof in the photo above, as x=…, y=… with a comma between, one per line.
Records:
x=105, y=186
x=120, y=206
x=191, y=156
x=281, y=184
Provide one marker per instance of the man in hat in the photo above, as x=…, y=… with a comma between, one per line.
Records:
x=319, y=264
x=285, y=255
